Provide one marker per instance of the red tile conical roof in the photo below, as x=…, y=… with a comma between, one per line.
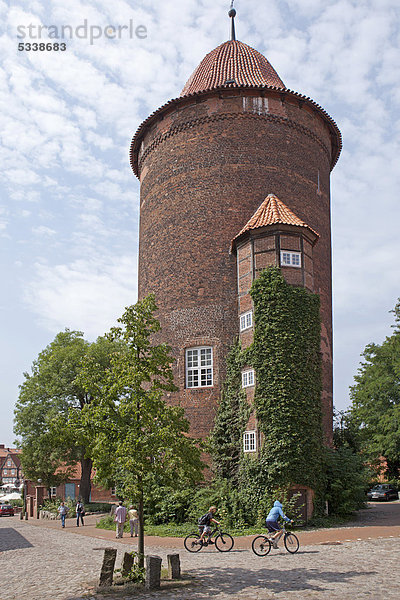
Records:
x=272, y=212
x=235, y=64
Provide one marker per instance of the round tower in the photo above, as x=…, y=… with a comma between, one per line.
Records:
x=206, y=161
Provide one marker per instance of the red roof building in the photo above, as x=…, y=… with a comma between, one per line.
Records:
x=10, y=466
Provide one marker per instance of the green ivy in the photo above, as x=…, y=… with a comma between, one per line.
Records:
x=225, y=441
x=286, y=357
x=285, y=354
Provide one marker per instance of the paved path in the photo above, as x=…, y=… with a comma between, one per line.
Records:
x=45, y=562
x=378, y=520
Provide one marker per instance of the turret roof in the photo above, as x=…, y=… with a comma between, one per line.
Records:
x=272, y=212
x=235, y=64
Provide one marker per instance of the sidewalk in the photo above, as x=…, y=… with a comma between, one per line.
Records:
x=379, y=520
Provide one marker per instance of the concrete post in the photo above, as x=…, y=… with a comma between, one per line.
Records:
x=127, y=564
x=174, y=566
x=107, y=569
x=153, y=572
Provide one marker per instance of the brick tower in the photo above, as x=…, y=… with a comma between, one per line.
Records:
x=206, y=161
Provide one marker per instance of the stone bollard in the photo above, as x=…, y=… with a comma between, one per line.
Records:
x=127, y=564
x=153, y=572
x=174, y=566
x=107, y=569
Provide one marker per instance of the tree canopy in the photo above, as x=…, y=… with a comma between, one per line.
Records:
x=375, y=399
x=48, y=410
x=138, y=439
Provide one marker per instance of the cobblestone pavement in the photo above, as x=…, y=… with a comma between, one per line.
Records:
x=45, y=563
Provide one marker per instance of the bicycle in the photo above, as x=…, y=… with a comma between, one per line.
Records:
x=261, y=545
x=222, y=541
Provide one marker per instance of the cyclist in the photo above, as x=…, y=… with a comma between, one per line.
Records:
x=205, y=521
x=272, y=523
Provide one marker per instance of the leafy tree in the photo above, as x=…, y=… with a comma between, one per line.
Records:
x=138, y=439
x=48, y=409
x=346, y=480
x=345, y=431
x=41, y=461
x=375, y=399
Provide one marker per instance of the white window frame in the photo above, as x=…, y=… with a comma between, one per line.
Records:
x=248, y=378
x=249, y=441
x=199, y=367
x=53, y=491
x=246, y=320
x=113, y=491
x=290, y=259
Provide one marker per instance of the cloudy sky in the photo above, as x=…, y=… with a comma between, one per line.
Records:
x=69, y=201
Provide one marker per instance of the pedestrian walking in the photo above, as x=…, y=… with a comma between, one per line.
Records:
x=133, y=520
x=80, y=513
x=62, y=511
x=120, y=518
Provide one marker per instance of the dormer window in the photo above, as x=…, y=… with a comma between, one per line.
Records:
x=290, y=259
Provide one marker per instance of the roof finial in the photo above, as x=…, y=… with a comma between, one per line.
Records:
x=232, y=14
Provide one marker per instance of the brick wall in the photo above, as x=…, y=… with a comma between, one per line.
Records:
x=205, y=167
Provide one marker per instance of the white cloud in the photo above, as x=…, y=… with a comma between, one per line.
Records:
x=43, y=230
x=88, y=295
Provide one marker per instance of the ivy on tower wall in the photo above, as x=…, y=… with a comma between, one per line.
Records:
x=225, y=441
x=286, y=357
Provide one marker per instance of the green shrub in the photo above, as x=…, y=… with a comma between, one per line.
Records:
x=90, y=507
x=17, y=502
x=167, y=505
x=346, y=481
x=98, y=507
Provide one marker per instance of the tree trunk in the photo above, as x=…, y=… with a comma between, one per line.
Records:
x=85, y=483
x=141, y=527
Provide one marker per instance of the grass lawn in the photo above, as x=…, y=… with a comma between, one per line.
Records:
x=174, y=529
x=183, y=529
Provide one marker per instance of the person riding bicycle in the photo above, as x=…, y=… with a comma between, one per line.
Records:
x=205, y=522
x=272, y=523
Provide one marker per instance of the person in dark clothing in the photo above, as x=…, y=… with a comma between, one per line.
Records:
x=205, y=523
x=80, y=513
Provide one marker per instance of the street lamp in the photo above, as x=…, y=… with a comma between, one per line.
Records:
x=25, y=492
x=39, y=481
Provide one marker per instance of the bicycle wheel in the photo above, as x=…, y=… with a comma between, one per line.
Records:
x=291, y=543
x=224, y=542
x=261, y=545
x=193, y=543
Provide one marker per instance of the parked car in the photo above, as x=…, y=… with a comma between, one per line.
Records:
x=6, y=509
x=383, y=491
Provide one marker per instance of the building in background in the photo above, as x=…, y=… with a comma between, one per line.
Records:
x=10, y=466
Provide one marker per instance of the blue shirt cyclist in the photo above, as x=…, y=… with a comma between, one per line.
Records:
x=272, y=524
